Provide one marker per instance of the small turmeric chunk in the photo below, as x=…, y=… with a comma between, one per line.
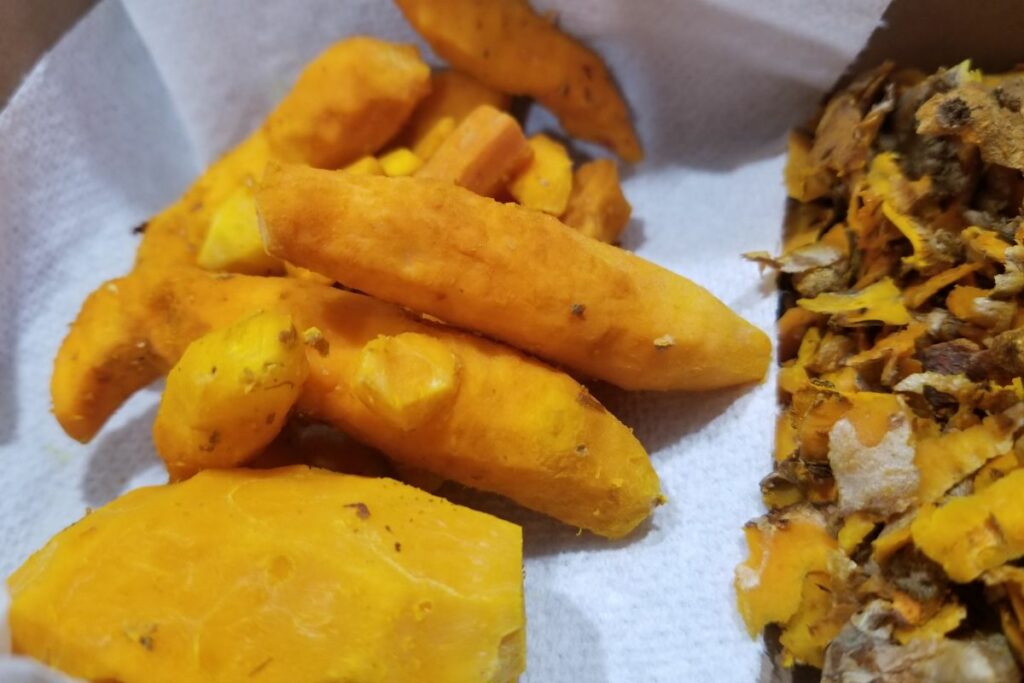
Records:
x=283, y=575
x=975, y=533
x=233, y=243
x=407, y=379
x=325, y=121
x=401, y=161
x=453, y=95
x=425, y=145
x=229, y=394
x=512, y=48
x=366, y=165
x=481, y=154
x=597, y=207
x=546, y=182
x=881, y=302
x=783, y=551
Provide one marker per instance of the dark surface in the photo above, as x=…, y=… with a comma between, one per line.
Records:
x=28, y=28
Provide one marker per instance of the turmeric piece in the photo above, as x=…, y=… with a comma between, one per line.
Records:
x=427, y=144
x=276, y=575
x=349, y=102
x=597, y=207
x=453, y=95
x=517, y=51
x=481, y=154
x=233, y=242
x=546, y=182
x=442, y=250
x=229, y=394
x=547, y=444
x=332, y=116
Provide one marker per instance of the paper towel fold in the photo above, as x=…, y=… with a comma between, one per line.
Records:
x=116, y=120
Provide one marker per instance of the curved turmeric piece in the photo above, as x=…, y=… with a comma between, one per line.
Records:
x=510, y=47
x=515, y=274
x=348, y=102
x=488, y=417
x=292, y=574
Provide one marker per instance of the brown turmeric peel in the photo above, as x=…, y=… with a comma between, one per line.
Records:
x=901, y=381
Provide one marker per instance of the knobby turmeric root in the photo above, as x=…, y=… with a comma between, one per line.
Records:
x=292, y=574
x=469, y=410
x=512, y=48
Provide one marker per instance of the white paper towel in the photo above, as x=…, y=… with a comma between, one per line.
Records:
x=113, y=124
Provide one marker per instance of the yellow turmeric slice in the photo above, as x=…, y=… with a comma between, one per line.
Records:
x=546, y=182
x=229, y=394
x=597, y=207
x=547, y=445
x=233, y=243
x=443, y=250
x=428, y=143
x=349, y=102
x=453, y=95
x=515, y=50
x=333, y=115
x=276, y=575
x=483, y=152
x=976, y=533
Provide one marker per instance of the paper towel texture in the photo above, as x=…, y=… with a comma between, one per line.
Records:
x=114, y=123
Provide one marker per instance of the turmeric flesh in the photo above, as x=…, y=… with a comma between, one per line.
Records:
x=482, y=154
x=515, y=50
x=515, y=274
x=597, y=207
x=333, y=115
x=291, y=574
x=229, y=394
x=546, y=444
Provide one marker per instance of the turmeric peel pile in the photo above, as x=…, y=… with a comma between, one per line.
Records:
x=893, y=544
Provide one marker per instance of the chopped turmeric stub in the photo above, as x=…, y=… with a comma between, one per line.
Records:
x=976, y=533
x=783, y=551
x=901, y=378
x=878, y=303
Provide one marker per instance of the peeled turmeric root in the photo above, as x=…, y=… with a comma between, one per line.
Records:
x=483, y=415
x=292, y=574
x=515, y=274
